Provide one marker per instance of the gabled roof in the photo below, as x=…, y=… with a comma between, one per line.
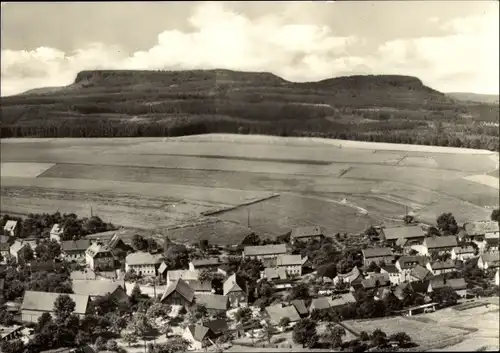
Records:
x=95, y=288
x=406, y=232
x=289, y=260
x=44, y=301
x=305, y=232
x=481, y=227
x=56, y=229
x=260, y=250
x=174, y=275
x=443, y=265
x=4, y=246
x=491, y=258
x=271, y=273
x=75, y=245
x=382, y=278
x=349, y=276
x=18, y=245
x=401, y=242
x=381, y=293
x=87, y=274
x=217, y=326
x=182, y=288
x=408, y=262
x=4, y=239
x=96, y=249
x=300, y=306
x=10, y=225
x=448, y=241
x=319, y=304
x=399, y=290
x=233, y=284
x=343, y=299
x=376, y=252
x=420, y=273
x=115, y=240
x=198, y=331
x=464, y=250
x=213, y=261
x=213, y=301
x=439, y=282
x=143, y=258
x=199, y=286
x=279, y=311
x=390, y=269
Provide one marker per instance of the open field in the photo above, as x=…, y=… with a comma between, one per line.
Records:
x=158, y=183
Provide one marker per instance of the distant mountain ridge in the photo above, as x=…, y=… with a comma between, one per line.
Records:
x=475, y=97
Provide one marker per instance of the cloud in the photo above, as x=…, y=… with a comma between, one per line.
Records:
x=221, y=38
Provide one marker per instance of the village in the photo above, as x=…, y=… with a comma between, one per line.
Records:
x=109, y=291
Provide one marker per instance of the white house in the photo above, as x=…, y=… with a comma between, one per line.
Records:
x=99, y=257
x=209, y=264
x=439, y=267
x=143, y=263
x=439, y=245
x=10, y=228
x=393, y=273
x=197, y=336
x=462, y=253
x=405, y=265
x=488, y=260
x=16, y=247
x=74, y=250
x=264, y=251
x=497, y=278
x=291, y=263
x=185, y=275
x=56, y=232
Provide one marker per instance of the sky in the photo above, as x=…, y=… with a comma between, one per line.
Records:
x=452, y=46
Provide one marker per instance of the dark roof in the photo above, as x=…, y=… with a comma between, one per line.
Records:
x=214, y=261
x=319, y=304
x=455, y=283
x=491, y=258
x=305, y=232
x=442, y=265
x=390, y=269
x=300, y=306
x=75, y=245
x=217, y=326
x=420, y=272
x=213, y=301
x=4, y=246
x=181, y=287
x=419, y=286
x=198, y=331
x=448, y=241
x=399, y=290
x=408, y=262
x=406, y=232
x=199, y=286
x=4, y=239
x=376, y=252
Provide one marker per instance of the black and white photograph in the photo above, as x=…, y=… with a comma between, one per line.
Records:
x=249, y=176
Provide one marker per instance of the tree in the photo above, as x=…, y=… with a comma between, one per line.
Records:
x=250, y=269
x=111, y=345
x=433, y=232
x=327, y=270
x=136, y=294
x=100, y=344
x=42, y=321
x=364, y=336
x=379, y=338
x=139, y=242
x=304, y=333
x=64, y=306
x=408, y=219
x=13, y=346
x=130, y=337
x=284, y=322
x=173, y=345
x=140, y=326
x=269, y=331
x=373, y=267
x=402, y=338
x=334, y=334
x=300, y=291
x=371, y=232
x=177, y=256
x=26, y=254
x=158, y=310
x=495, y=215
x=447, y=223
x=242, y=315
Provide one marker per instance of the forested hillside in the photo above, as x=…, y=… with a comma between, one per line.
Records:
x=398, y=109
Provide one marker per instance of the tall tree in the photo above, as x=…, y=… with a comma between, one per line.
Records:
x=304, y=333
x=64, y=306
x=447, y=223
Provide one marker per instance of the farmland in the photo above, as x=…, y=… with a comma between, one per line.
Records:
x=268, y=183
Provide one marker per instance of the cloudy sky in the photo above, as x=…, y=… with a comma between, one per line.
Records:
x=452, y=46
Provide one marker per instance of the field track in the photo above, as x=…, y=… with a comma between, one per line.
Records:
x=173, y=180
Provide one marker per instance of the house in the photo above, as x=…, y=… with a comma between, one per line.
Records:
x=217, y=326
x=377, y=255
x=348, y=277
x=457, y=284
x=56, y=232
x=279, y=311
x=270, y=274
x=178, y=293
x=339, y=301
x=4, y=250
x=99, y=257
x=492, y=241
x=488, y=260
x=382, y=293
x=143, y=263
x=236, y=290
x=306, y=233
x=393, y=273
x=405, y=265
x=224, y=270
x=439, y=267
x=320, y=303
x=162, y=270
x=199, y=287
x=439, y=245
x=117, y=243
x=210, y=264
x=292, y=264
x=10, y=228
x=376, y=280
x=86, y=274
x=187, y=275
x=36, y=303
x=477, y=231
x=412, y=234
x=15, y=248
x=264, y=251
x=197, y=336
x=74, y=250
x=101, y=288
x=497, y=277
x=215, y=304
x=462, y=253
x=300, y=306
x=419, y=273
x=8, y=333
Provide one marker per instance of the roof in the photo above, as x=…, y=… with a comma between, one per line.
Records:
x=198, y=331
x=182, y=288
x=406, y=232
x=342, y=299
x=213, y=261
x=83, y=275
x=143, y=258
x=382, y=278
x=282, y=273
x=491, y=258
x=115, y=240
x=350, y=276
x=213, y=301
x=271, y=273
x=264, y=250
x=399, y=290
x=420, y=286
x=401, y=242
x=481, y=227
x=383, y=292
x=10, y=225
x=279, y=311
x=305, y=232
x=289, y=260
x=174, y=275
x=300, y=306
x=4, y=239
x=18, y=245
x=420, y=272
x=56, y=229
x=441, y=265
x=319, y=304
x=95, y=249
x=447, y=241
x=376, y=252
x=163, y=267
x=199, y=286
x=4, y=246
x=75, y=245
x=44, y=301
x=408, y=262
x=95, y=287
x=455, y=283
x=233, y=284
x=217, y=326
x=390, y=269
x=464, y=250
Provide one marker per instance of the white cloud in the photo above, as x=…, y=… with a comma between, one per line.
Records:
x=224, y=39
